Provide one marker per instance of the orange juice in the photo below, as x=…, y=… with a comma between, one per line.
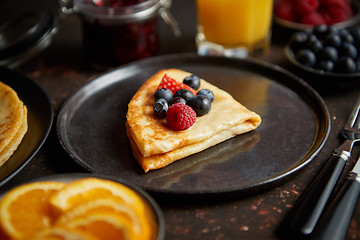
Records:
x=234, y=22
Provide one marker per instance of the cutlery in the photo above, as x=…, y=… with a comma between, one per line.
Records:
x=306, y=212
x=335, y=220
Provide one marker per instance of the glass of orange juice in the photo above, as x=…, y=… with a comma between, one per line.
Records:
x=236, y=28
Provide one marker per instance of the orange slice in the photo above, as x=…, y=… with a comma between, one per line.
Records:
x=104, y=226
x=25, y=209
x=87, y=189
x=107, y=205
x=62, y=234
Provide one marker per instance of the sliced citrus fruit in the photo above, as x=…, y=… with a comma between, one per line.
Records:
x=108, y=205
x=140, y=224
x=25, y=209
x=104, y=226
x=55, y=233
x=87, y=189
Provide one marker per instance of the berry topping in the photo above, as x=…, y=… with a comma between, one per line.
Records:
x=207, y=93
x=164, y=93
x=180, y=117
x=185, y=94
x=170, y=83
x=192, y=81
x=178, y=100
x=161, y=107
x=200, y=104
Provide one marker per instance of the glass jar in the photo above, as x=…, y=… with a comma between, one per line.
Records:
x=116, y=32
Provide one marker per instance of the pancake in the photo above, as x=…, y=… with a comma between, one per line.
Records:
x=13, y=122
x=154, y=145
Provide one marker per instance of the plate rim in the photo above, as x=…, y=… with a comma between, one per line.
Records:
x=50, y=113
x=271, y=67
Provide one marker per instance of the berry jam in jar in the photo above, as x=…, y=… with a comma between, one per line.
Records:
x=118, y=31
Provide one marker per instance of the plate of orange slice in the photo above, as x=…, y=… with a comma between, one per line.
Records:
x=79, y=206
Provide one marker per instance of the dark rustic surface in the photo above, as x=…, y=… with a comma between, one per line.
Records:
x=61, y=69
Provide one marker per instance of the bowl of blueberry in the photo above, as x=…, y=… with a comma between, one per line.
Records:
x=327, y=51
x=302, y=14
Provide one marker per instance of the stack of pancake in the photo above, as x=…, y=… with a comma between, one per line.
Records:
x=154, y=145
x=13, y=122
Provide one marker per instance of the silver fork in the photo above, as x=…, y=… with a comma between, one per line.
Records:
x=306, y=212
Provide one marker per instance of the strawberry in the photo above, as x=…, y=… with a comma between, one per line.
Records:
x=180, y=117
x=170, y=83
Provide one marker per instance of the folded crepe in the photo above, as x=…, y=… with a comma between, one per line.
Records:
x=13, y=122
x=155, y=145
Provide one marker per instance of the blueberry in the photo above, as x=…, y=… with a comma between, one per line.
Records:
x=346, y=35
x=306, y=57
x=298, y=40
x=200, y=104
x=314, y=44
x=348, y=50
x=164, y=93
x=320, y=31
x=332, y=30
x=345, y=65
x=160, y=107
x=178, y=100
x=329, y=53
x=185, y=94
x=333, y=40
x=192, y=81
x=207, y=93
x=326, y=65
x=356, y=34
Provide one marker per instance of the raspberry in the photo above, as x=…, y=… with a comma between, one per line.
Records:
x=326, y=3
x=334, y=15
x=284, y=9
x=180, y=117
x=313, y=18
x=306, y=6
x=170, y=83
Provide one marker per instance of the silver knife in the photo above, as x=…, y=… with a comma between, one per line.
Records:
x=334, y=222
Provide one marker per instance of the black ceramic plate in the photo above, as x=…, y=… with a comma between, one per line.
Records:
x=295, y=125
x=149, y=201
x=40, y=117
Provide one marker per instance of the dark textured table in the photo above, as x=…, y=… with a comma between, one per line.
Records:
x=61, y=69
